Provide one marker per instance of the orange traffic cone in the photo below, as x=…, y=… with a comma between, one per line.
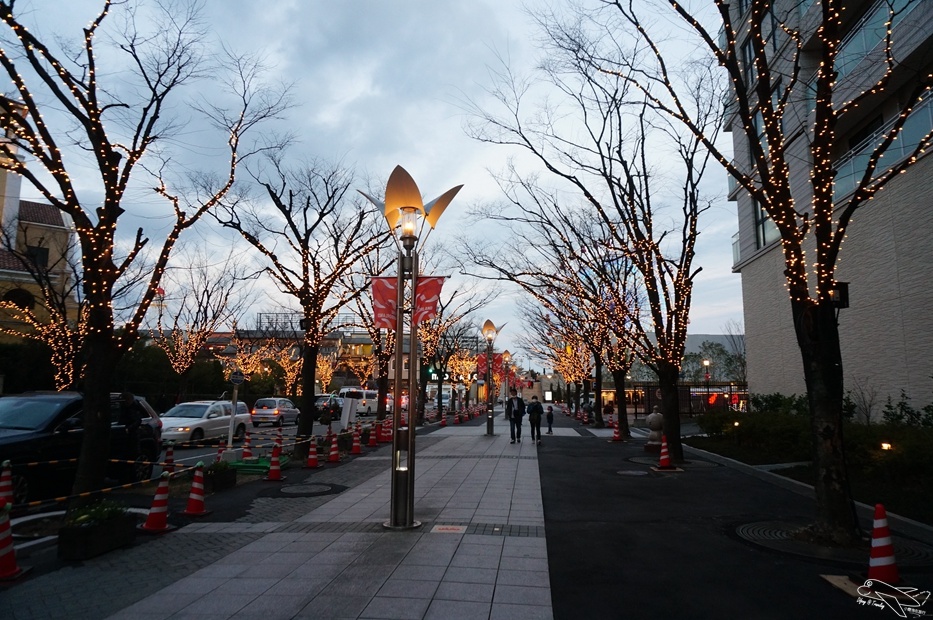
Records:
x=278, y=437
x=156, y=522
x=443, y=420
x=275, y=470
x=6, y=482
x=881, y=563
x=220, y=451
x=312, y=462
x=615, y=433
x=169, y=463
x=664, y=463
x=195, y=506
x=373, y=431
x=8, y=568
x=356, y=448
x=386, y=431
x=334, y=450
x=247, y=447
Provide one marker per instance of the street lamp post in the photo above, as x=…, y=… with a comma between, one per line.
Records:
x=489, y=333
x=403, y=208
x=706, y=369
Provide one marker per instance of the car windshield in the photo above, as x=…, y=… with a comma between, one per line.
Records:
x=186, y=410
x=27, y=414
x=265, y=403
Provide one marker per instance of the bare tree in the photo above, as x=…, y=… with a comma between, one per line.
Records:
x=597, y=141
x=768, y=55
x=313, y=238
x=448, y=332
x=57, y=317
x=74, y=114
x=201, y=298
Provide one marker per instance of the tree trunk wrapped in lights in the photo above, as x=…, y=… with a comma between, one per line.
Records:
x=765, y=55
x=77, y=123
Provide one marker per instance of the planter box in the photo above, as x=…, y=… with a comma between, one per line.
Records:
x=82, y=542
x=220, y=480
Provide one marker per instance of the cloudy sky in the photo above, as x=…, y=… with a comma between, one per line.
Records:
x=380, y=83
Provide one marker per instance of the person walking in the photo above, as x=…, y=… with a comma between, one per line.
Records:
x=550, y=420
x=514, y=410
x=535, y=410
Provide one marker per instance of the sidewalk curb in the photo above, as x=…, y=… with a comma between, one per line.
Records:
x=904, y=525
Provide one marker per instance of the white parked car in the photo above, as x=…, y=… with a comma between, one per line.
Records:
x=201, y=419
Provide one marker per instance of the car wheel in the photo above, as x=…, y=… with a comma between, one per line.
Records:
x=240, y=433
x=255, y=424
x=197, y=434
x=280, y=422
x=20, y=489
x=369, y=411
x=142, y=468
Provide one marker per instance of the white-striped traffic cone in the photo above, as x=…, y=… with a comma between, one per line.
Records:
x=157, y=520
x=881, y=563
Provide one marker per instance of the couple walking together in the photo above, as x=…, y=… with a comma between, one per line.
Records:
x=515, y=409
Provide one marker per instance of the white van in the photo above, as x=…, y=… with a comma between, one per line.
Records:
x=367, y=400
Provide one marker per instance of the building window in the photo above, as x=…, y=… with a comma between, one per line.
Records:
x=851, y=166
x=748, y=62
x=870, y=32
x=38, y=256
x=766, y=232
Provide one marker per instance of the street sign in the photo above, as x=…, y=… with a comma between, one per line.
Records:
x=237, y=377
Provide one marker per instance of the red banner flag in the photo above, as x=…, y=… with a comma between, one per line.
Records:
x=385, y=302
x=427, y=295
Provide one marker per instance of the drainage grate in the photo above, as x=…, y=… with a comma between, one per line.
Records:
x=479, y=529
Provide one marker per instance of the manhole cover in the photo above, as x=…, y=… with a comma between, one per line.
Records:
x=309, y=489
x=779, y=536
x=648, y=460
x=632, y=472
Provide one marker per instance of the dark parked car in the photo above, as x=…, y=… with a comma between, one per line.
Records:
x=39, y=427
x=327, y=408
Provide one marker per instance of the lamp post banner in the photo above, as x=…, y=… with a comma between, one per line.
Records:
x=384, y=292
x=427, y=295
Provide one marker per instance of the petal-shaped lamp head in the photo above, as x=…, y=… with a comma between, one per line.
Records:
x=489, y=331
x=434, y=209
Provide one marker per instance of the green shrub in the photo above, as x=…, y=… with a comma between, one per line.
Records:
x=102, y=510
x=714, y=423
x=779, y=403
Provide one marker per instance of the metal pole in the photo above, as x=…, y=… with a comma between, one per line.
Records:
x=489, y=403
x=397, y=501
x=413, y=367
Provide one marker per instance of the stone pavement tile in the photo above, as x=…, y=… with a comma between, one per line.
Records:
x=159, y=605
x=524, y=577
x=355, y=584
x=428, y=557
x=451, y=591
x=335, y=557
x=314, y=569
x=214, y=603
x=526, y=594
x=324, y=607
x=198, y=583
x=518, y=547
x=513, y=563
x=409, y=588
x=309, y=587
x=266, y=607
x=463, y=560
x=520, y=612
x=457, y=610
x=472, y=549
x=284, y=558
x=457, y=574
x=246, y=585
x=396, y=608
x=416, y=572
x=475, y=539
